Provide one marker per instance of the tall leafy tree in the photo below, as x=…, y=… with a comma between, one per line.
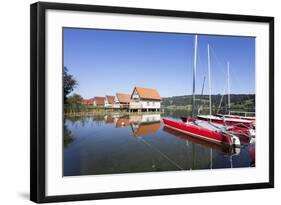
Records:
x=69, y=83
x=74, y=99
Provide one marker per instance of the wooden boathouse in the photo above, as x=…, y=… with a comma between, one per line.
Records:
x=145, y=100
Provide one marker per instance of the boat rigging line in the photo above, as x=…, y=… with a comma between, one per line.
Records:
x=161, y=153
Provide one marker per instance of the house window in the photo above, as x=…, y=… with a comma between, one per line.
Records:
x=153, y=103
x=147, y=103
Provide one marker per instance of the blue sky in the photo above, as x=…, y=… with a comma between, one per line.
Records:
x=105, y=62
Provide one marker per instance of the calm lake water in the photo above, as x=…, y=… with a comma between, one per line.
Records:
x=140, y=143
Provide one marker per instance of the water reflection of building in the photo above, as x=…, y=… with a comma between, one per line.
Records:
x=142, y=125
x=122, y=122
x=109, y=119
x=144, y=129
x=145, y=118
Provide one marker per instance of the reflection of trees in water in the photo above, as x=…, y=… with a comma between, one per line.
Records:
x=77, y=119
x=67, y=136
x=82, y=121
x=74, y=119
x=97, y=119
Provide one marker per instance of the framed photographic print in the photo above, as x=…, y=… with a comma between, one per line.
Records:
x=129, y=102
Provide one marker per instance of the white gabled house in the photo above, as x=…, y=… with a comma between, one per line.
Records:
x=145, y=99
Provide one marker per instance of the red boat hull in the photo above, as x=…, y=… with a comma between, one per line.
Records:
x=199, y=132
x=226, y=149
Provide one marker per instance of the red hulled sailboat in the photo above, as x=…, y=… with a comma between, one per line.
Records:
x=200, y=128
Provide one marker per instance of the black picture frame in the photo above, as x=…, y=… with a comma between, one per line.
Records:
x=38, y=101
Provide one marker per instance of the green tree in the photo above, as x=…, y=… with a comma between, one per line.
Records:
x=74, y=99
x=69, y=83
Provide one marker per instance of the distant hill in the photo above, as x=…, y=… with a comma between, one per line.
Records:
x=238, y=101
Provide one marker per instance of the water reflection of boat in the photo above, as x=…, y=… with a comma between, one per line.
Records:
x=144, y=129
x=226, y=149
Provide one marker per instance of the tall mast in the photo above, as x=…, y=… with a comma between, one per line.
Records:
x=194, y=76
x=210, y=99
x=228, y=88
x=209, y=74
x=203, y=86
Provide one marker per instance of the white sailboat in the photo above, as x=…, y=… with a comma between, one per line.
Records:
x=229, y=112
x=235, y=126
x=223, y=119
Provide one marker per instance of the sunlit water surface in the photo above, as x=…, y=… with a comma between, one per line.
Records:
x=109, y=144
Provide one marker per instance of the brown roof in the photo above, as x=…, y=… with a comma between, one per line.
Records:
x=110, y=99
x=87, y=101
x=148, y=93
x=123, y=98
x=146, y=129
x=99, y=100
